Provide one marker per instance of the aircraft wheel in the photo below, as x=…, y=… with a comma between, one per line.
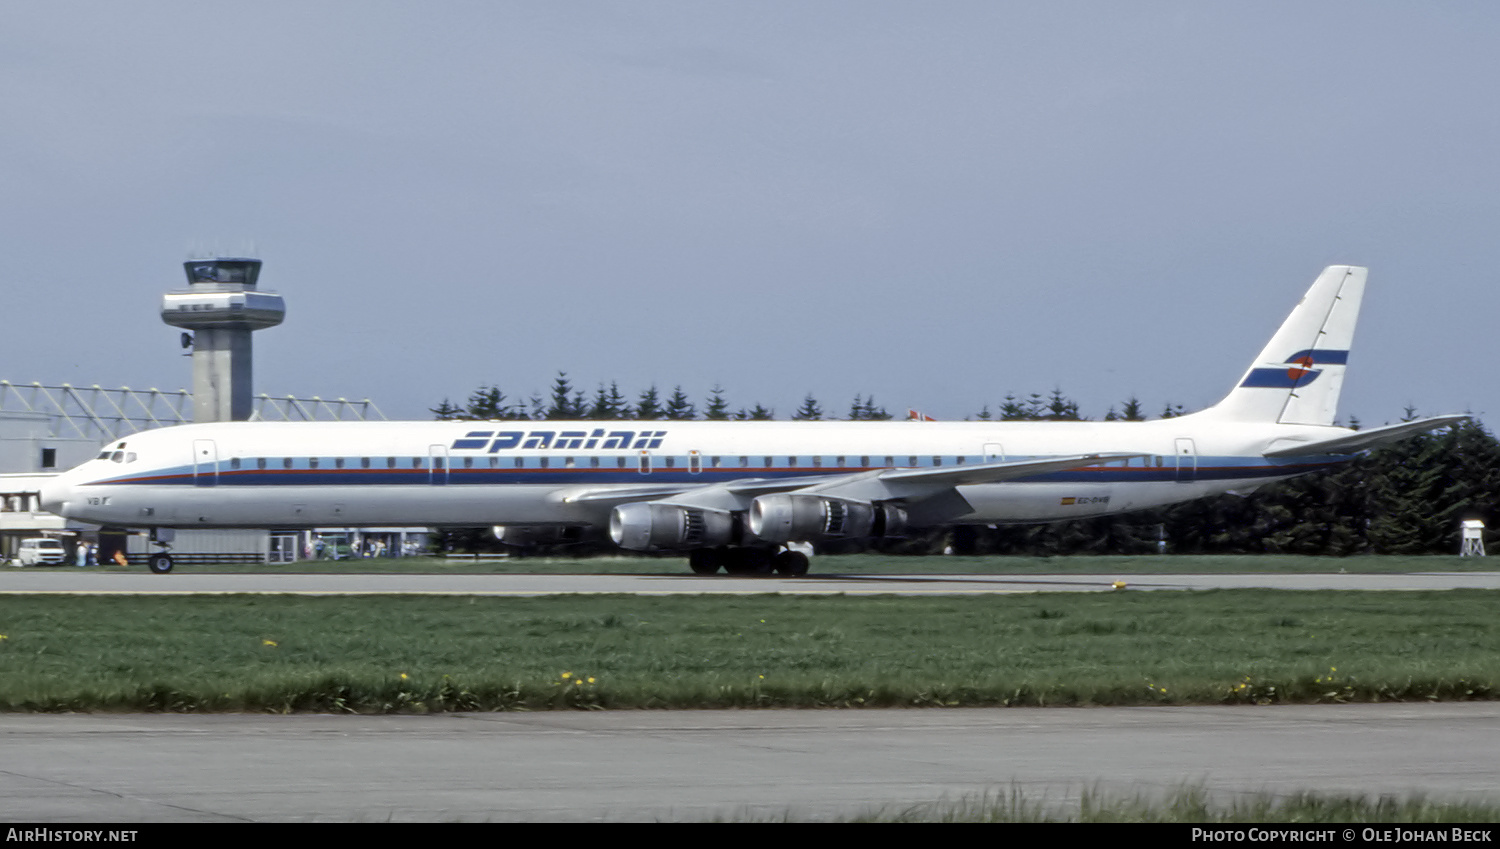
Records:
x=704, y=561
x=161, y=564
x=791, y=563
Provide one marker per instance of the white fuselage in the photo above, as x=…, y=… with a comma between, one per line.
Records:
x=534, y=473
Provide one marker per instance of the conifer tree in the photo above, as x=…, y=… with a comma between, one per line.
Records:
x=679, y=408
x=809, y=411
x=565, y=404
x=487, y=404
x=446, y=412
x=718, y=408
x=648, y=407
x=608, y=404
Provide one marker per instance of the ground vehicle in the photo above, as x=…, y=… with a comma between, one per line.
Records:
x=41, y=551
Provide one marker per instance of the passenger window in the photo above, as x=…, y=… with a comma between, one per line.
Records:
x=390, y=462
x=260, y=463
x=364, y=462
x=286, y=462
x=338, y=462
x=312, y=462
x=234, y=462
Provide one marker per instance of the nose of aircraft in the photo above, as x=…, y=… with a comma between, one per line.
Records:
x=54, y=495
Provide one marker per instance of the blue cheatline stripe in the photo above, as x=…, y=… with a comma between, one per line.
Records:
x=1206, y=469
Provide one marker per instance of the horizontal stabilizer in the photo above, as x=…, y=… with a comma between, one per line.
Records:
x=1365, y=439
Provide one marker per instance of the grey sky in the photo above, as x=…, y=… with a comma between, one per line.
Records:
x=937, y=203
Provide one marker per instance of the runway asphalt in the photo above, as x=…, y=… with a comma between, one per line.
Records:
x=698, y=765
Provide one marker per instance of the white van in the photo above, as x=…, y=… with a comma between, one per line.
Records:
x=38, y=551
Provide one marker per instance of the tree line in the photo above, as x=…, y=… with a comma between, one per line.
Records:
x=608, y=403
x=1404, y=498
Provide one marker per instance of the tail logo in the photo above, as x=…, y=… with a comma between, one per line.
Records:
x=1301, y=366
x=1296, y=371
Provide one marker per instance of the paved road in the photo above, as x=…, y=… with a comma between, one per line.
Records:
x=143, y=583
x=671, y=765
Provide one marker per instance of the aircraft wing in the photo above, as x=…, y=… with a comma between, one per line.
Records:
x=1365, y=439
x=876, y=485
x=745, y=487
x=1001, y=471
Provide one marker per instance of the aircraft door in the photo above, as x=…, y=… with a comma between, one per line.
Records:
x=1187, y=460
x=437, y=474
x=205, y=462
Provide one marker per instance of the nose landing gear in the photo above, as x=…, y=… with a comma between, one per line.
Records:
x=161, y=561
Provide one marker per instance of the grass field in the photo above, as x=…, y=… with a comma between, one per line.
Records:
x=418, y=654
x=876, y=564
x=1197, y=805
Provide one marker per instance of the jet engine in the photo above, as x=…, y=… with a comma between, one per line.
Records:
x=793, y=517
x=646, y=526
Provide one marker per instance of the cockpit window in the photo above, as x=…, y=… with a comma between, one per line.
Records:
x=118, y=457
x=130, y=456
x=104, y=456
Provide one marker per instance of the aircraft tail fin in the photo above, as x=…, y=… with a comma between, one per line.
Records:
x=1298, y=376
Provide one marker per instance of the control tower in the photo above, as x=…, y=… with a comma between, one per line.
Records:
x=222, y=308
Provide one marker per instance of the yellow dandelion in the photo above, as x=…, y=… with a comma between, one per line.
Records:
x=591, y=679
x=271, y=643
x=403, y=676
x=567, y=675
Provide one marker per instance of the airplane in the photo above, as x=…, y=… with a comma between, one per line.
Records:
x=745, y=497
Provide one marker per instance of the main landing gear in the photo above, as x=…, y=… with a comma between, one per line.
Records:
x=747, y=561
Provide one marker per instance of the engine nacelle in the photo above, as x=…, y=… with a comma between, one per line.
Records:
x=648, y=526
x=793, y=517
